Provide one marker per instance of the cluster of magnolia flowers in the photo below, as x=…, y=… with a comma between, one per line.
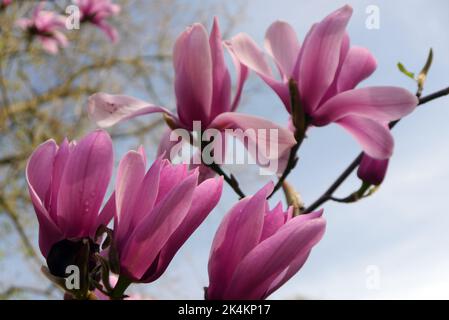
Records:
x=256, y=248
x=48, y=26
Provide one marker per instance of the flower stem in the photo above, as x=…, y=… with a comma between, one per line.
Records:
x=119, y=290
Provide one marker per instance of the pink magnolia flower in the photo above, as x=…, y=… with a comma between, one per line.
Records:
x=203, y=93
x=372, y=170
x=5, y=3
x=96, y=12
x=156, y=212
x=327, y=70
x=45, y=25
x=67, y=184
x=256, y=250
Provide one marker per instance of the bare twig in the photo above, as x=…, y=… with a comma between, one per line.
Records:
x=13, y=290
x=230, y=180
x=13, y=216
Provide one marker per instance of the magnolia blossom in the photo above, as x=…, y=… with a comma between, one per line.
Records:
x=67, y=185
x=203, y=93
x=256, y=250
x=5, y=3
x=327, y=70
x=156, y=212
x=45, y=25
x=96, y=12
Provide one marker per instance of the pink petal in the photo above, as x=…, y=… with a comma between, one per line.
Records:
x=49, y=232
x=241, y=75
x=193, y=76
x=297, y=262
x=249, y=54
x=238, y=234
x=130, y=174
x=358, y=65
x=141, y=150
x=106, y=110
x=374, y=138
x=148, y=193
x=282, y=44
x=108, y=212
x=170, y=176
x=273, y=220
x=60, y=38
x=40, y=169
x=60, y=161
x=271, y=257
x=200, y=209
x=24, y=23
x=221, y=98
x=260, y=133
x=372, y=170
x=333, y=89
x=38, y=176
x=204, y=172
x=320, y=56
x=377, y=103
x=151, y=235
x=109, y=30
x=49, y=44
x=84, y=183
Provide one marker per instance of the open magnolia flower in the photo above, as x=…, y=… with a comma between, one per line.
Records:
x=156, y=212
x=326, y=71
x=67, y=185
x=46, y=26
x=256, y=250
x=203, y=93
x=96, y=12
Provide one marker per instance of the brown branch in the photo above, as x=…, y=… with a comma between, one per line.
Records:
x=13, y=290
x=57, y=92
x=13, y=216
x=291, y=164
x=10, y=159
x=299, y=120
x=66, y=89
x=230, y=180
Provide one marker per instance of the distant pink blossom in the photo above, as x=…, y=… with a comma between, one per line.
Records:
x=45, y=25
x=67, y=185
x=5, y=3
x=256, y=250
x=97, y=12
x=156, y=212
x=326, y=70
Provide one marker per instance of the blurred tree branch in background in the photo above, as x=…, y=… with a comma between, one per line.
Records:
x=43, y=96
